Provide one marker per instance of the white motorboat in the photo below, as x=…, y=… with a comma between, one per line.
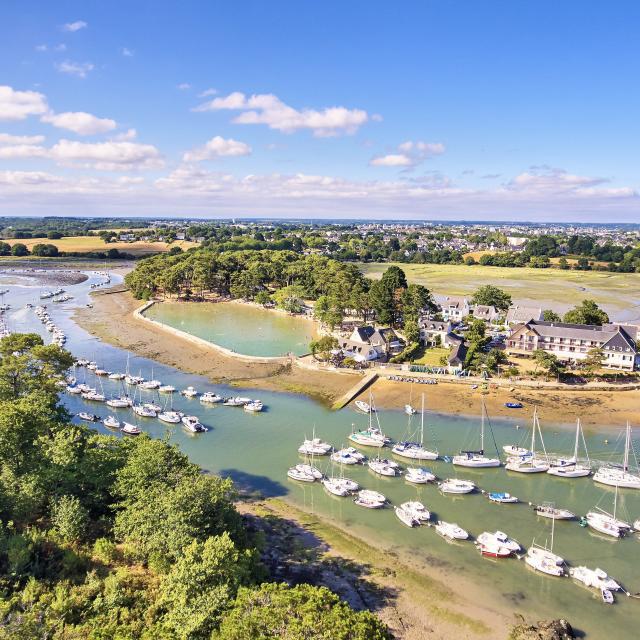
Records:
x=619, y=476
x=409, y=410
x=419, y=475
x=596, y=578
x=415, y=450
x=119, y=403
x=370, y=499
x=571, y=467
x=191, y=423
x=102, y=372
x=314, y=447
x=607, y=596
x=348, y=455
x=301, y=476
x=172, y=417
x=74, y=390
x=497, y=544
x=93, y=396
x=456, y=486
x=530, y=463
x=153, y=406
x=384, y=467
x=150, y=385
x=144, y=411
x=210, y=397
x=340, y=486
x=236, y=402
x=636, y=525
x=133, y=380
x=166, y=388
x=255, y=406
x=406, y=518
x=515, y=451
x=365, y=407
x=477, y=459
x=131, y=429
x=116, y=376
x=502, y=497
x=112, y=423
x=451, y=530
x=548, y=510
x=189, y=392
x=89, y=417
x=417, y=510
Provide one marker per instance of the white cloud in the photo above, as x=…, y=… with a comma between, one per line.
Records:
x=127, y=53
x=78, y=69
x=129, y=134
x=7, y=138
x=184, y=86
x=108, y=156
x=16, y=151
x=41, y=47
x=80, y=122
x=548, y=179
x=217, y=147
x=270, y=110
x=207, y=92
x=409, y=154
x=17, y=105
x=72, y=27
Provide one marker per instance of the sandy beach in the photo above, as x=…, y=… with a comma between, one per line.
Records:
x=112, y=320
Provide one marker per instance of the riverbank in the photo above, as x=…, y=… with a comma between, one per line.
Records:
x=415, y=600
x=112, y=320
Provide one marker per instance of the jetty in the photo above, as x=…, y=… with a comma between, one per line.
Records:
x=356, y=390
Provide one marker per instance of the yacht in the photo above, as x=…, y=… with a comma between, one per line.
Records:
x=311, y=470
x=120, y=402
x=143, y=411
x=236, y=402
x=102, y=372
x=211, y=397
x=406, y=517
x=570, y=467
x=152, y=406
x=348, y=455
x=89, y=417
x=314, y=447
x=340, y=486
x=133, y=380
x=501, y=498
x=255, y=406
x=112, y=423
x=417, y=510
x=73, y=389
x=371, y=437
x=131, y=429
x=365, y=407
x=497, y=545
x=93, y=396
x=409, y=410
x=384, y=467
x=545, y=561
x=514, y=450
x=166, y=388
x=116, y=376
x=150, y=385
x=189, y=392
x=619, y=476
x=191, y=423
x=370, y=499
x=419, y=475
x=300, y=475
x=596, y=578
x=415, y=450
x=456, y=486
x=172, y=417
x=530, y=463
x=607, y=523
x=477, y=459
x=451, y=530
x=548, y=510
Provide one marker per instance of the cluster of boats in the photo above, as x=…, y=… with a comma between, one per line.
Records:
x=45, y=295
x=57, y=335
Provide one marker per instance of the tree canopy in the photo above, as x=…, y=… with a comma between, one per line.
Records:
x=492, y=296
x=587, y=312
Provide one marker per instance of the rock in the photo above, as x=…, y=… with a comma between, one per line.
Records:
x=543, y=630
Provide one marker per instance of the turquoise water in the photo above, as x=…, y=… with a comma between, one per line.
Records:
x=240, y=327
x=256, y=450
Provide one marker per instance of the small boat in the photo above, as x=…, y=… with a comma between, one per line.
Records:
x=143, y=411
x=636, y=525
x=102, y=372
x=340, y=486
x=93, y=396
x=545, y=561
x=513, y=405
x=497, y=544
x=191, y=423
x=150, y=384
x=152, y=407
x=365, y=407
x=172, y=417
x=119, y=403
x=514, y=450
x=456, y=486
x=300, y=475
x=166, y=388
x=112, y=423
x=606, y=524
x=547, y=510
x=131, y=429
x=417, y=510
x=595, y=578
x=74, y=390
x=89, y=417
x=419, y=475
x=409, y=410
x=348, y=455
x=116, y=376
x=415, y=450
x=384, y=467
x=371, y=437
x=210, y=397
x=236, y=402
x=315, y=447
x=255, y=406
x=189, y=392
x=406, y=518
x=607, y=596
x=370, y=499
x=502, y=498
x=451, y=530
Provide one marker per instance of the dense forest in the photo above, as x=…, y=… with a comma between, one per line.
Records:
x=105, y=537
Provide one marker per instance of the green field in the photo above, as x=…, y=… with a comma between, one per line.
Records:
x=618, y=293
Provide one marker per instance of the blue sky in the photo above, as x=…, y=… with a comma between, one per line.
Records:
x=450, y=109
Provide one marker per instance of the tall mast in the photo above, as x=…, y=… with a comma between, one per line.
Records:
x=482, y=426
x=575, y=449
x=533, y=430
x=422, y=422
x=625, y=463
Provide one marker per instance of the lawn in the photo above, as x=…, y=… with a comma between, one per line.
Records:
x=86, y=244
x=618, y=293
x=432, y=357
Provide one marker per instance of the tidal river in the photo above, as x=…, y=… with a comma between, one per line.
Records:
x=256, y=450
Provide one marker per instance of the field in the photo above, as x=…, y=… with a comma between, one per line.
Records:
x=618, y=293
x=86, y=244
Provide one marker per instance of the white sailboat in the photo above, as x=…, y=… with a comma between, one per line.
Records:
x=456, y=486
x=543, y=559
x=549, y=510
x=340, y=486
x=619, y=476
x=314, y=446
x=348, y=455
x=571, y=468
x=419, y=475
x=112, y=422
x=477, y=459
x=608, y=523
x=384, y=467
x=370, y=499
x=372, y=436
x=415, y=450
x=530, y=463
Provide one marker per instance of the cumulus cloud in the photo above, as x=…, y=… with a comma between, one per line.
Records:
x=108, y=156
x=16, y=151
x=78, y=69
x=80, y=122
x=129, y=134
x=18, y=105
x=207, y=92
x=268, y=109
x=549, y=179
x=217, y=147
x=7, y=139
x=408, y=154
x=72, y=27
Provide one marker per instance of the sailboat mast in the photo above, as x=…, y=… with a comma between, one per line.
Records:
x=533, y=430
x=484, y=409
x=575, y=449
x=625, y=463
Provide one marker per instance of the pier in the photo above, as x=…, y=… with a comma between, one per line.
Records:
x=357, y=388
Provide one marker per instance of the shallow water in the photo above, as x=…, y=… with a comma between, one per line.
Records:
x=243, y=328
x=256, y=450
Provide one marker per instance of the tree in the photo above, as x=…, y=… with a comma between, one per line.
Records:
x=54, y=235
x=19, y=250
x=280, y=612
x=549, y=362
x=289, y=298
x=563, y=263
x=69, y=518
x=412, y=331
x=45, y=250
x=492, y=296
x=385, y=295
x=587, y=312
x=5, y=249
x=262, y=297
x=415, y=298
x=322, y=347
x=593, y=361
x=496, y=358
x=548, y=315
